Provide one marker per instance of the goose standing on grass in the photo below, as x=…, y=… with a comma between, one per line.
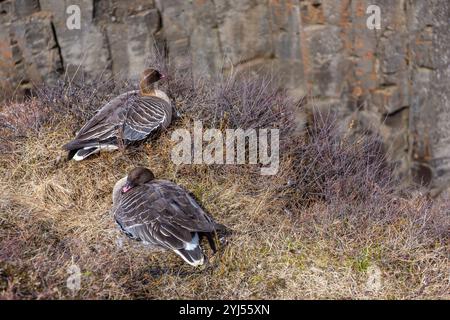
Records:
x=162, y=214
x=126, y=119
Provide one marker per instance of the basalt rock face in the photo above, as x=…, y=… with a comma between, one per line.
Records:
x=394, y=80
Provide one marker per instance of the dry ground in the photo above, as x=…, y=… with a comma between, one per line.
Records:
x=331, y=224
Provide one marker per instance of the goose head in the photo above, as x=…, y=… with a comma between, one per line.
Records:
x=136, y=177
x=148, y=78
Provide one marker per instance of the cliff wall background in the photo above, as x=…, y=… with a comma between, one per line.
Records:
x=395, y=80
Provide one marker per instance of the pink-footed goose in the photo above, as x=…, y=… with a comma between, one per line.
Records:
x=162, y=214
x=126, y=119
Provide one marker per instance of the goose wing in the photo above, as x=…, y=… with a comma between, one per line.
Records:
x=147, y=114
x=162, y=213
x=104, y=125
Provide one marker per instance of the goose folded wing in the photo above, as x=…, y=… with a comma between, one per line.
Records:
x=150, y=227
x=179, y=208
x=158, y=233
x=146, y=115
x=103, y=126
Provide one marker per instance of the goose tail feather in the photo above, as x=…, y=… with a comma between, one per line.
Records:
x=192, y=252
x=84, y=153
x=193, y=257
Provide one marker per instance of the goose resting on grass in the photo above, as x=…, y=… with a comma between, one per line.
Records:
x=162, y=214
x=126, y=119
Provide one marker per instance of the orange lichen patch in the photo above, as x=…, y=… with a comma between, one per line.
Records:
x=41, y=15
x=368, y=55
x=420, y=41
x=276, y=7
x=359, y=43
x=345, y=24
x=357, y=91
x=5, y=50
x=200, y=2
x=289, y=5
x=387, y=91
x=373, y=76
x=422, y=147
x=279, y=8
x=360, y=9
x=312, y=14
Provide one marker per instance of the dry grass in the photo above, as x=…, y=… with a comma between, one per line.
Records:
x=329, y=223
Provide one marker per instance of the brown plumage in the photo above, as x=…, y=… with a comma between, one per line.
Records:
x=162, y=214
x=128, y=118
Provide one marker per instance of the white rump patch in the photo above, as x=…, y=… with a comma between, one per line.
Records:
x=189, y=246
x=195, y=263
x=103, y=147
x=77, y=157
x=198, y=262
x=193, y=244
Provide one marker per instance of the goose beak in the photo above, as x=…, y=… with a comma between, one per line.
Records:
x=126, y=187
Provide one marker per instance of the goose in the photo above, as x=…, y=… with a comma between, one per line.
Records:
x=162, y=215
x=126, y=119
